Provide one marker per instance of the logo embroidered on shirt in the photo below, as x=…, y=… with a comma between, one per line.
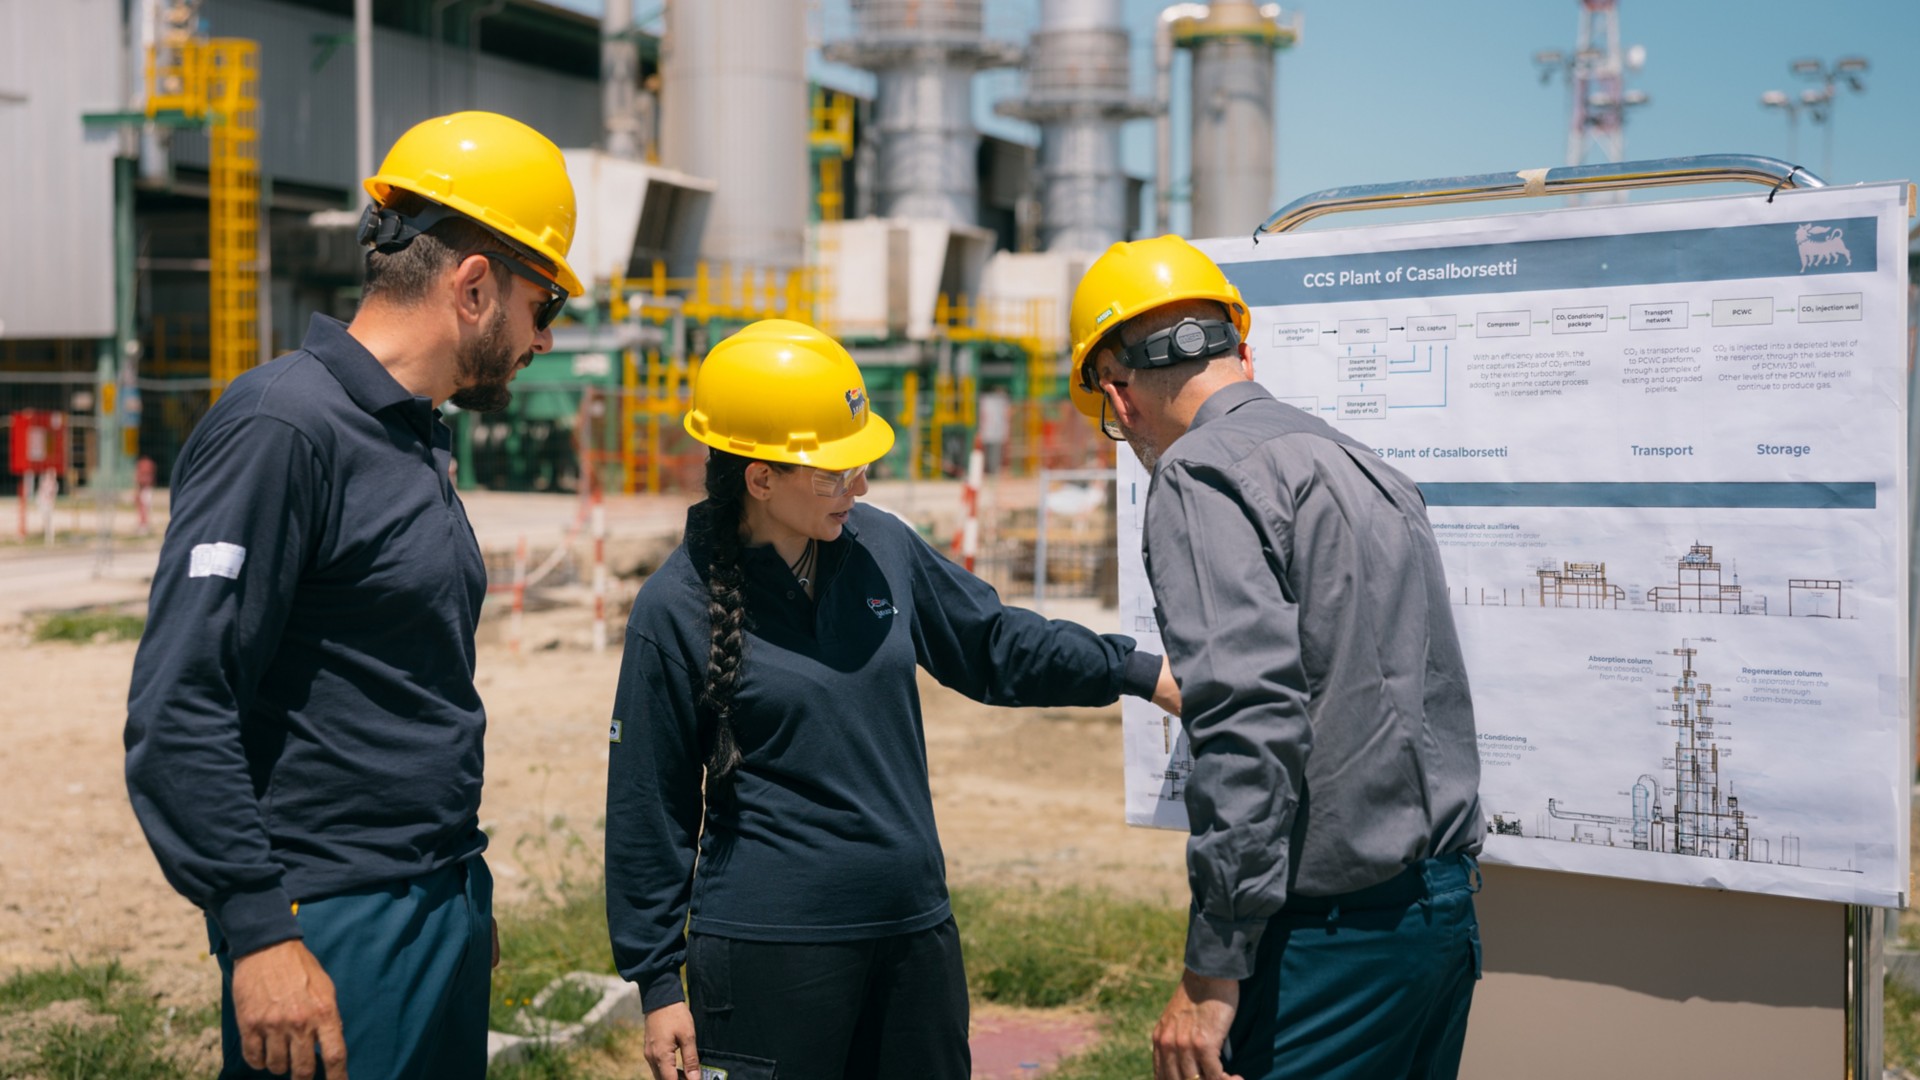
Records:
x=613, y=731
x=882, y=607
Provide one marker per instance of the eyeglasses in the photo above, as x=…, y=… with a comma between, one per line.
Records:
x=1109, y=425
x=549, y=308
x=835, y=483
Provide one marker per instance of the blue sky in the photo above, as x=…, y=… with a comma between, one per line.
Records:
x=1382, y=90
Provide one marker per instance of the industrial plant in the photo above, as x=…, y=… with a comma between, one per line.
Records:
x=208, y=178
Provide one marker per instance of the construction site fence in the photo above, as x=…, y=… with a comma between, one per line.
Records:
x=169, y=410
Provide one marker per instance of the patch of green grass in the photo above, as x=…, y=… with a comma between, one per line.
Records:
x=562, y=928
x=548, y=1063
x=85, y=626
x=1901, y=1019
x=85, y=1020
x=1046, y=949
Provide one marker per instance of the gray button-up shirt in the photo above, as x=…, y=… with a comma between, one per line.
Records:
x=1303, y=606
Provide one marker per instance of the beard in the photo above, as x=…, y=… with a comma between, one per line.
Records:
x=486, y=367
x=1148, y=454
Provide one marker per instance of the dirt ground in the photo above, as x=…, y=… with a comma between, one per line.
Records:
x=1022, y=795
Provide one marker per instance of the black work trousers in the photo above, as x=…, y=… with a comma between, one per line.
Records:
x=839, y=1010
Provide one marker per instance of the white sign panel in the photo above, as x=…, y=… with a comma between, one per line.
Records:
x=1663, y=448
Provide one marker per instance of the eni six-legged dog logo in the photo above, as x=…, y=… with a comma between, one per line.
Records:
x=1820, y=245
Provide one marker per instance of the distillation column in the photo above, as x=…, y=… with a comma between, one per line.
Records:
x=734, y=107
x=1078, y=93
x=923, y=54
x=1232, y=115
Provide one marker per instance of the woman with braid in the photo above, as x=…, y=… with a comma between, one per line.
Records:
x=768, y=720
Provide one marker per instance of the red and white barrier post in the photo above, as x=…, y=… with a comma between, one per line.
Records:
x=966, y=543
x=599, y=573
x=519, y=594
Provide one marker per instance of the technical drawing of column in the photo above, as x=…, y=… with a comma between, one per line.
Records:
x=1703, y=819
x=1706, y=820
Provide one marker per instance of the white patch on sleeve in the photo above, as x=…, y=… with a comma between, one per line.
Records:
x=613, y=731
x=217, y=560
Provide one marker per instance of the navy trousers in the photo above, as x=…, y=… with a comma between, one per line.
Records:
x=1374, y=985
x=838, y=1010
x=412, y=968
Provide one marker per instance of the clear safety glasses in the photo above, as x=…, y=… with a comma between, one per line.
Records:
x=831, y=484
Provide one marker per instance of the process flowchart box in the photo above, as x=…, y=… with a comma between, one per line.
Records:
x=1753, y=311
x=1362, y=368
x=1431, y=328
x=1580, y=320
x=1671, y=315
x=1363, y=406
x=1289, y=335
x=1363, y=331
x=1505, y=324
x=1832, y=307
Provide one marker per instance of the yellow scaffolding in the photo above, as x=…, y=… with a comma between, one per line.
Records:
x=1030, y=326
x=217, y=82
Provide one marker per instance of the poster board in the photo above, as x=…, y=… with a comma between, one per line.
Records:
x=1664, y=451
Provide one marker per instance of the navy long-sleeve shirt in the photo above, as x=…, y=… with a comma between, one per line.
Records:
x=831, y=833
x=303, y=719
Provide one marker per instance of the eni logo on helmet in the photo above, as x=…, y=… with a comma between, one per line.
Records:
x=856, y=401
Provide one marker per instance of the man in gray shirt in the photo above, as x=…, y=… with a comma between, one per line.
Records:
x=1334, y=798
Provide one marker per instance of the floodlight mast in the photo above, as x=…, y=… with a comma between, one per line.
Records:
x=1596, y=73
x=1819, y=100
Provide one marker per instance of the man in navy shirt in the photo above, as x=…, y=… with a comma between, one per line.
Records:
x=304, y=738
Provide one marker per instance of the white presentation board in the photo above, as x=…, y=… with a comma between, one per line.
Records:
x=1663, y=448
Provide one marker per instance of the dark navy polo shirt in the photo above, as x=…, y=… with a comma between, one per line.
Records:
x=303, y=719
x=831, y=837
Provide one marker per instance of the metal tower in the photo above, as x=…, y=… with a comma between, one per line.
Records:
x=923, y=54
x=1078, y=93
x=1596, y=79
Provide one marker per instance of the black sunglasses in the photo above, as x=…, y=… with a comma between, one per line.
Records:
x=549, y=308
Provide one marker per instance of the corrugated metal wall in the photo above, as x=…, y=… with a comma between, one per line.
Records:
x=57, y=61
x=306, y=131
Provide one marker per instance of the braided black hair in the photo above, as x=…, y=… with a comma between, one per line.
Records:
x=727, y=612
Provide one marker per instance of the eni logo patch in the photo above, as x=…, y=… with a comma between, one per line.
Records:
x=1820, y=245
x=613, y=731
x=881, y=607
x=856, y=401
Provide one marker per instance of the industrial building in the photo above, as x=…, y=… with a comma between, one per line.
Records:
x=196, y=166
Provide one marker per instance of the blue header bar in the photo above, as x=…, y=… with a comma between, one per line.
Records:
x=1791, y=249
x=1833, y=495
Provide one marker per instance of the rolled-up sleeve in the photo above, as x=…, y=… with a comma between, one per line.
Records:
x=654, y=807
x=1232, y=634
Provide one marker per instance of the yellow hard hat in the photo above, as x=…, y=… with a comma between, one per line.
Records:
x=779, y=390
x=1132, y=278
x=495, y=170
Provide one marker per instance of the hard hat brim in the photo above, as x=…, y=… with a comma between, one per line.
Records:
x=864, y=447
